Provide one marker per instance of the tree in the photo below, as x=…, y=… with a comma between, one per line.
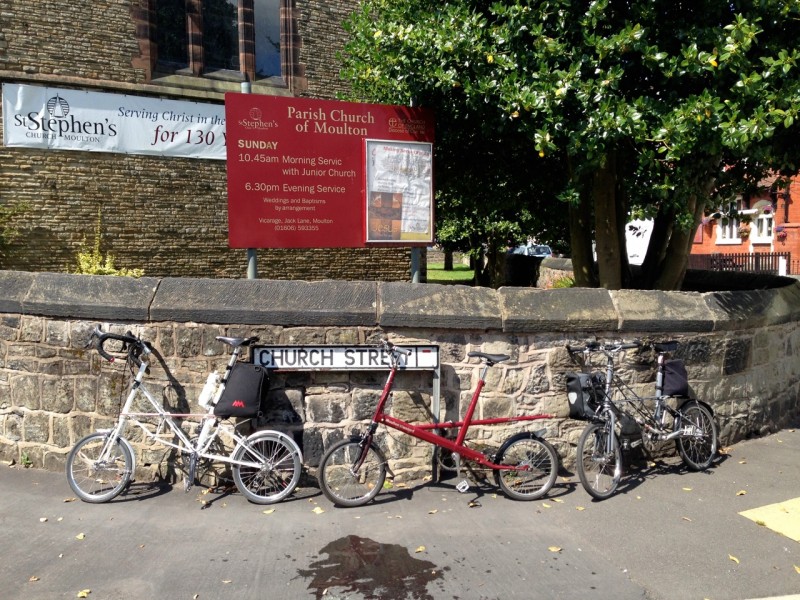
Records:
x=647, y=108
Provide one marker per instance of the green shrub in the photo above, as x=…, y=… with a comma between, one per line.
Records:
x=92, y=262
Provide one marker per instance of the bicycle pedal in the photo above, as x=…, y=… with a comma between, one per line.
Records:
x=463, y=486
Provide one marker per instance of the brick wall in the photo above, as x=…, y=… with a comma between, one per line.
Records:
x=167, y=216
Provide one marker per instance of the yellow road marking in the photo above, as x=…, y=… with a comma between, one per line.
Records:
x=783, y=517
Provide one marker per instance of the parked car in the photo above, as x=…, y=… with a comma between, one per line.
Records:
x=537, y=250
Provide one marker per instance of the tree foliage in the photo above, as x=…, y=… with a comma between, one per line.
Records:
x=647, y=108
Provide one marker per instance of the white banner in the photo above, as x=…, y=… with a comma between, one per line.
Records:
x=60, y=119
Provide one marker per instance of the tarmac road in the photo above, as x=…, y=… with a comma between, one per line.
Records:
x=667, y=535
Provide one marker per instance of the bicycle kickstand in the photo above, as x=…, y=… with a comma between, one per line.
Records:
x=189, y=481
x=463, y=485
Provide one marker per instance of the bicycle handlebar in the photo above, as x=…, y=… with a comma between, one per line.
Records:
x=606, y=348
x=395, y=351
x=132, y=344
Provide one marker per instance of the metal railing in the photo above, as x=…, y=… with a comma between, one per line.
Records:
x=768, y=262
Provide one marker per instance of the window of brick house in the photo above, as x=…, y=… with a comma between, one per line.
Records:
x=728, y=227
x=206, y=37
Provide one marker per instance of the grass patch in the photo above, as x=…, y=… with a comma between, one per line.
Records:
x=461, y=274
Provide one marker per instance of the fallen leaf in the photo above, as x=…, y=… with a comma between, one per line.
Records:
x=60, y=519
x=474, y=504
x=80, y=536
x=580, y=508
x=43, y=520
x=419, y=549
x=387, y=485
x=195, y=597
x=546, y=505
x=796, y=568
x=432, y=512
x=84, y=593
x=741, y=492
x=554, y=548
x=687, y=489
x=318, y=510
x=269, y=511
x=70, y=499
x=35, y=578
x=733, y=558
x=227, y=580
x=559, y=500
x=742, y=462
x=686, y=519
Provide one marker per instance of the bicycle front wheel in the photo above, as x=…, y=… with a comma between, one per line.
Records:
x=99, y=468
x=346, y=479
x=541, y=467
x=599, y=468
x=697, y=444
x=279, y=459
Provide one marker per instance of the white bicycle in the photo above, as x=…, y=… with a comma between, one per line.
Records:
x=265, y=465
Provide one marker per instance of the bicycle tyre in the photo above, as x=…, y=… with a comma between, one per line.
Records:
x=337, y=480
x=599, y=472
x=526, y=449
x=279, y=473
x=95, y=481
x=697, y=452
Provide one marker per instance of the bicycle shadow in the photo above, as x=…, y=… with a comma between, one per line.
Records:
x=640, y=467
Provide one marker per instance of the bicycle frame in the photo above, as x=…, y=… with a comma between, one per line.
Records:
x=653, y=422
x=207, y=434
x=423, y=431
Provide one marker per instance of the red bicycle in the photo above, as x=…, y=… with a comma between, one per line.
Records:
x=353, y=471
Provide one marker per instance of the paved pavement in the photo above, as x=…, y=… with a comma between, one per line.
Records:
x=667, y=535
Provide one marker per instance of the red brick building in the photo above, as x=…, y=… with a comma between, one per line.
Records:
x=764, y=223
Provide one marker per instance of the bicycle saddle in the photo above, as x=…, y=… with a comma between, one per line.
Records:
x=489, y=358
x=237, y=341
x=666, y=346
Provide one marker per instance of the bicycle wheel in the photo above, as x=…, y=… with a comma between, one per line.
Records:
x=526, y=450
x=341, y=483
x=96, y=476
x=598, y=469
x=698, y=445
x=277, y=476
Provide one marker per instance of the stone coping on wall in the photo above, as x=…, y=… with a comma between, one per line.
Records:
x=370, y=304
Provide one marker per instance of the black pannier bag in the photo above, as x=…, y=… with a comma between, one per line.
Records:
x=584, y=393
x=676, y=380
x=243, y=393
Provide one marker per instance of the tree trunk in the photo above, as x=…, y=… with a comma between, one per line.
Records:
x=607, y=233
x=448, y=260
x=580, y=233
x=680, y=246
x=656, y=248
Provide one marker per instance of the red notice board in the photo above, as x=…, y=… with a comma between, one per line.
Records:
x=297, y=173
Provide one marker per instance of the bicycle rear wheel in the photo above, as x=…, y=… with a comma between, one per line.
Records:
x=698, y=446
x=598, y=469
x=277, y=476
x=526, y=450
x=348, y=481
x=97, y=476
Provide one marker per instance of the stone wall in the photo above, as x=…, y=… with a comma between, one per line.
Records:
x=741, y=350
